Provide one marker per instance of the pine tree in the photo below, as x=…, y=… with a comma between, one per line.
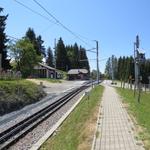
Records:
x=119, y=68
x=36, y=41
x=115, y=66
x=111, y=69
x=73, y=56
x=30, y=35
x=61, y=56
x=123, y=68
x=70, y=56
x=76, y=56
x=84, y=63
x=108, y=68
x=40, y=48
x=3, y=40
x=50, y=58
x=131, y=67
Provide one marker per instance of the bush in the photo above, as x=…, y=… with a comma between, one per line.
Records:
x=16, y=94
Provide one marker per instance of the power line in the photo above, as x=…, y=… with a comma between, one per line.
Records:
x=35, y=12
x=57, y=21
x=91, y=50
x=86, y=38
x=61, y=24
x=103, y=59
x=94, y=59
x=48, y=27
x=12, y=37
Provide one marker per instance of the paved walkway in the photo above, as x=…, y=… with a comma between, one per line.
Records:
x=115, y=128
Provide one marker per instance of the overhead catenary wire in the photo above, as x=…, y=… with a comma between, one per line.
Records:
x=91, y=50
x=57, y=22
x=35, y=12
x=12, y=37
x=103, y=59
x=61, y=24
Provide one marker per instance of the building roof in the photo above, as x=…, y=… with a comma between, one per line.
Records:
x=77, y=71
x=46, y=66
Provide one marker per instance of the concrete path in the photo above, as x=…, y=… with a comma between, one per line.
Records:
x=58, y=88
x=115, y=129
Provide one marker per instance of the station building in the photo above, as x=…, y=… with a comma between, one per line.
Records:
x=44, y=71
x=78, y=74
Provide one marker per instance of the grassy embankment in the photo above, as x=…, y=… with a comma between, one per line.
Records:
x=140, y=111
x=76, y=133
x=15, y=94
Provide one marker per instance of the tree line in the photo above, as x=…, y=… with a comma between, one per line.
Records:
x=70, y=56
x=122, y=69
x=29, y=50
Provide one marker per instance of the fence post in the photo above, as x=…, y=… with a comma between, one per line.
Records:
x=145, y=87
x=149, y=82
x=139, y=88
x=41, y=86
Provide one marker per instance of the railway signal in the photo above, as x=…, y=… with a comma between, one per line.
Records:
x=139, y=58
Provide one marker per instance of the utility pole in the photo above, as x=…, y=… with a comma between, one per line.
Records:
x=137, y=59
x=112, y=68
x=97, y=61
x=136, y=67
x=136, y=63
x=55, y=76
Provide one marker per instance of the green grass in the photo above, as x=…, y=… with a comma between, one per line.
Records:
x=71, y=132
x=141, y=111
x=50, y=80
x=15, y=94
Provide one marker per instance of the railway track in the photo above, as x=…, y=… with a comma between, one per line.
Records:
x=11, y=135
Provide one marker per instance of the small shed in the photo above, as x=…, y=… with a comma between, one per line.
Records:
x=44, y=71
x=78, y=74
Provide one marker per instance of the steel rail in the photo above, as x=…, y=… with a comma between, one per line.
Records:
x=14, y=133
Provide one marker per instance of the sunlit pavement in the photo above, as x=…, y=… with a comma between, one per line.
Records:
x=115, y=129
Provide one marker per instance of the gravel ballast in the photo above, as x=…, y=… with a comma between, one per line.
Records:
x=37, y=133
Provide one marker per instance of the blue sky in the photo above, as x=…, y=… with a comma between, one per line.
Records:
x=114, y=23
